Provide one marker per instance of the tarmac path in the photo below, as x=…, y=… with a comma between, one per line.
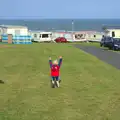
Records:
x=110, y=57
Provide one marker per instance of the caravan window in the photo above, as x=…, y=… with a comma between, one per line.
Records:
x=113, y=34
x=35, y=35
x=79, y=36
x=45, y=35
x=17, y=32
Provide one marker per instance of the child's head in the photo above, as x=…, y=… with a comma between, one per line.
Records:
x=55, y=62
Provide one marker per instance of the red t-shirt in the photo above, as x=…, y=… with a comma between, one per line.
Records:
x=55, y=70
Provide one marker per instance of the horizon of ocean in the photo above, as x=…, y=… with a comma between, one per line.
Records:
x=62, y=24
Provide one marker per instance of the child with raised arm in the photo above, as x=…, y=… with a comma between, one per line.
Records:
x=55, y=70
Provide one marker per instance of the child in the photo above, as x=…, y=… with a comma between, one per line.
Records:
x=55, y=69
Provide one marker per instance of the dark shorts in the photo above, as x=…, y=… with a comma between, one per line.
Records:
x=55, y=78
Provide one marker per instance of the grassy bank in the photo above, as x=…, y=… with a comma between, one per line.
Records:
x=89, y=88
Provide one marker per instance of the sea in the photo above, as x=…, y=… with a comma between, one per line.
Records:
x=63, y=24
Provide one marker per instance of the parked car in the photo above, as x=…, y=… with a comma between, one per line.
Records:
x=116, y=44
x=111, y=43
x=61, y=40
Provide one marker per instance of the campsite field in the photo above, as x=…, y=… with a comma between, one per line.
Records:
x=90, y=89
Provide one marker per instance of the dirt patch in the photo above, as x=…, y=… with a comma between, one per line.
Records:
x=6, y=46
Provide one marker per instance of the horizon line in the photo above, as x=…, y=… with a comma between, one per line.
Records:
x=59, y=18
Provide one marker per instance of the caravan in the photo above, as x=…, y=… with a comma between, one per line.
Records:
x=41, y=36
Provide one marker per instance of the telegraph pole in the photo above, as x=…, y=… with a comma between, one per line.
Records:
x=72, y=28
x=72, y=25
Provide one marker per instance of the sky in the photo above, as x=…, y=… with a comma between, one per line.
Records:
x=55, y=9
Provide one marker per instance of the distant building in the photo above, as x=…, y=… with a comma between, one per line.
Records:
x=66, y=34
x=14, y=30
x=112, y=31
x=41, y=36
x=87, y=36
x=15, y=34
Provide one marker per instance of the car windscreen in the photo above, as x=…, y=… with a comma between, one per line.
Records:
x=117, y=40
x=109, y=39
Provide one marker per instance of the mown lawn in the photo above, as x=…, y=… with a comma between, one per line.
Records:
x=96, y=44
x=90, y=89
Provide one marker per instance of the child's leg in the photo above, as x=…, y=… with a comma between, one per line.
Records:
x=53, y=81
x=57, y=81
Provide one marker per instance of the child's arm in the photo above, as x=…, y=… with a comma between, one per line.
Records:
x=50, y=62
x=60, y=61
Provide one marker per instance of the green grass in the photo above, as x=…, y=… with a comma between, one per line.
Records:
x=96, y=44
x=90, y=89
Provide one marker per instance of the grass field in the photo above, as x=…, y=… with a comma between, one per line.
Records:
x=96, y=44
x=90, y=89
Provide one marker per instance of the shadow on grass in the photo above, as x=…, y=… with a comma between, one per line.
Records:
x=2, y=82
